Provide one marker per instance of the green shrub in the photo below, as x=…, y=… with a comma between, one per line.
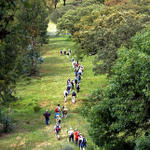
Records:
x=6, y=124
x=143, y=143
x=67, y=147
x=37, y=108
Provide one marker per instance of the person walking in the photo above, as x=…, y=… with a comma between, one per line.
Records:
x=76, y=81
x=46, y=115
x=76, y=134
x=71, y=135
x=79, y=78
x=68, y=88
x=58, y=120
x=57, y=130
x=78, y=87
x=57, y=110
x=72, y=84
x=73, y=97
x=64, y=112
x=80, y=138
x=65, y=95
x=83, y=143
x=60, y=52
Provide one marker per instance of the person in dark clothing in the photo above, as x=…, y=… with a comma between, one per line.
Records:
x=78, y=88
x=64, y=52
x=83, y=143
x=76, y=81
x=68, y=88
x=72, y=83
x=68, y=81
x=60, y=52
x=46, y=115
x=79, y=78
x=73, y=97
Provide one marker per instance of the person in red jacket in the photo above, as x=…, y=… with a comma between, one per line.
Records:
x=57, y=110
x=76, y=134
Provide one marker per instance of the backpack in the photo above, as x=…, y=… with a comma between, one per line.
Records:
x=84, y=141
x=57, y=128
x=56, y=110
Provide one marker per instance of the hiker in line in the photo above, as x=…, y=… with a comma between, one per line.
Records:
x=73, y=97
x=68, y=81
x=72, y=84
x=83, y=143
x=80, y=72
x=76, y=72
x=57, y=110
x=80, y=139
x=73, y=63
x=64, y=112
x=65, y=95
x=72, y=59
x=46, y=115
x=57, y=130
x=60, y=52
x=64, y=51
x=76, y=134
x=82, y=68
x=69, y=50
x=78, y=87
x=79, y=78
x=71, y=135
x=68, y=88
x=68, y=54
x=58, y=119
x=76, y=81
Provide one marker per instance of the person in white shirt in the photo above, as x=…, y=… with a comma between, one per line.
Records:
x=71, y=135
x=65, y=95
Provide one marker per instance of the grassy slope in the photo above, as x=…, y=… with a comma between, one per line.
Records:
x=30, y=130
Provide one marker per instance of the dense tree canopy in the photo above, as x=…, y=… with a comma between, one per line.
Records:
x=124, y=111
x=101, y=30
x=23, y=30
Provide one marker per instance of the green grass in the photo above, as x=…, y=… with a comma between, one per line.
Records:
x=30, y=131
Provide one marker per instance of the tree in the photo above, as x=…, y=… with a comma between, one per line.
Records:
x=23, y=24
x=124, y=111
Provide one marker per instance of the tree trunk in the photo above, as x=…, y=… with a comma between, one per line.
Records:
x=64, y=2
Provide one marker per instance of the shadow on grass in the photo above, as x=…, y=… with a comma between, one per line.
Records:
x=53, y=66
x=53, y=60
x=53, y=70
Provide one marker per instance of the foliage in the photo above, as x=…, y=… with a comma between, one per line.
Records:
x=37, y=108
x=101, y=30
x=23, y=24
x=6, y=122
x=124, y=110
x=143, y=143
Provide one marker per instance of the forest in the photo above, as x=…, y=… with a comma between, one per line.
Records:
x=110, y=38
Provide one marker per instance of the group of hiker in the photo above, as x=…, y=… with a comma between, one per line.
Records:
x=74, y=84
x=77, y=138
x=62, y=112
x=64, y=52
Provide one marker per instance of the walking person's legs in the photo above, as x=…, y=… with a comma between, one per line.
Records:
x=65, y=99
x=47, y=121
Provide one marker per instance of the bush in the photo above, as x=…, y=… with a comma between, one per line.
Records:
x=143, y=143
x=67, y=148
x=6, y=124
x=37, y=108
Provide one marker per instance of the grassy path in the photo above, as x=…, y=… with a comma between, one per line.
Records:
x=30, y=131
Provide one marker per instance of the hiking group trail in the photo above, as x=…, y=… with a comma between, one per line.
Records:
x=30, y=131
